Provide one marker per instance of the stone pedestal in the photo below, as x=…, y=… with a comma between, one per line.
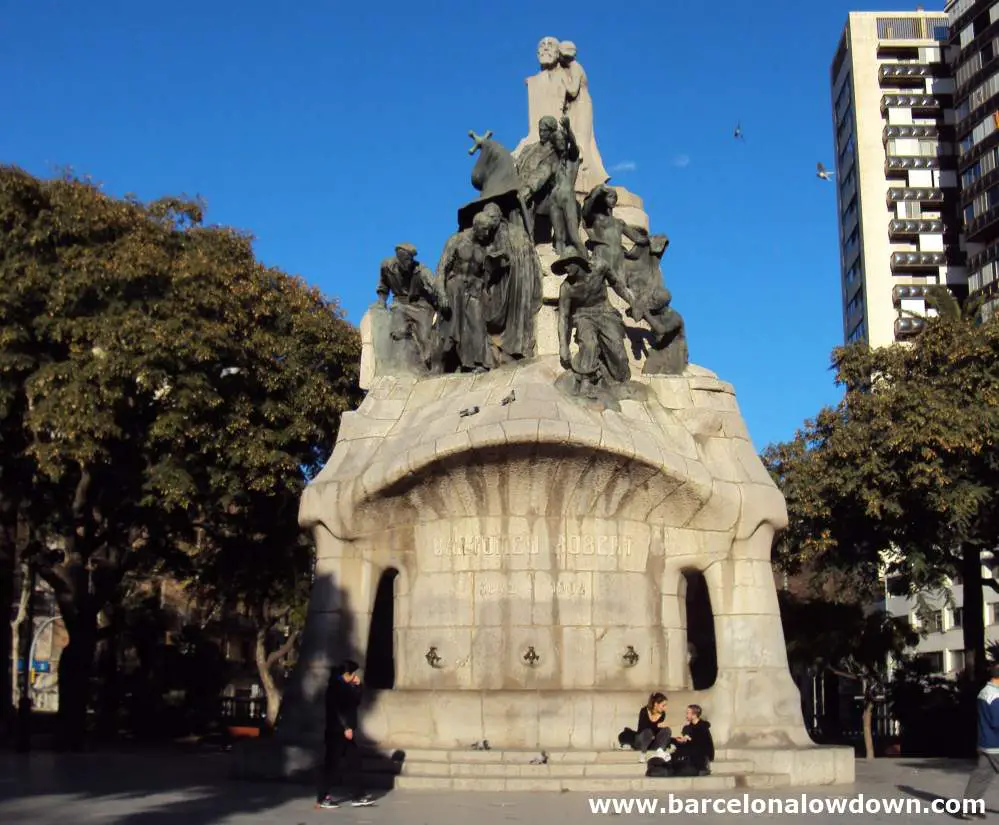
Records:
x=534, y=546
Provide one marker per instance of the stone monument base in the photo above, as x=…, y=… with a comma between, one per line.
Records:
x=607, y=771
x=422, y=739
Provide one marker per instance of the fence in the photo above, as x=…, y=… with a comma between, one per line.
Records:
x=242, y=710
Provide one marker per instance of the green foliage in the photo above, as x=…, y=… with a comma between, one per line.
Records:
x=155, y=381
x=905, y=460
x=905, y=465
x=842, y=637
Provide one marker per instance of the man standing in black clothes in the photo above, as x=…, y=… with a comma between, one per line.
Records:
x=343, y=698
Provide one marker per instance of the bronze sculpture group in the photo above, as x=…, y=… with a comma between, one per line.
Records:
x=477, y=311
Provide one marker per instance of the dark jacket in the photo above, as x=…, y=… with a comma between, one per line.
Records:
x=701, y=747
x=342, y=702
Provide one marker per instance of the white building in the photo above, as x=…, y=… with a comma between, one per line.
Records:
x=901, y=223
x=942, y=641
x=896, y=179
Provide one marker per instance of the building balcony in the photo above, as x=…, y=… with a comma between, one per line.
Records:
x=909, y=73
x=986, y=256
x=910, y=131
x=983, y=228
x=907, y=327
x=910, y=228
x=916, y=102
x=988, y=292
x=927, y=195
x=912, y=261
x=909, y=292
x=902, y=163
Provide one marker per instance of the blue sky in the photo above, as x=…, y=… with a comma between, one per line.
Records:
x=334, y=130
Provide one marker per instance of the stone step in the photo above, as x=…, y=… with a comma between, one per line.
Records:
x=762, y=781
x=518, y=757
x=486, y=770
x=591, y=784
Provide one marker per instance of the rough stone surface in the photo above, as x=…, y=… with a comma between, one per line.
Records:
x=543, y=527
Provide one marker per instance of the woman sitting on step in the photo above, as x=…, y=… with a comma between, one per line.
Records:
x=653, y=733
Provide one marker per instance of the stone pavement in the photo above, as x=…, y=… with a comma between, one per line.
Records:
x=154, y=787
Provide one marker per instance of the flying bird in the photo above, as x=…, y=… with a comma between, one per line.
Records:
x=738, y=133
x=823, y=173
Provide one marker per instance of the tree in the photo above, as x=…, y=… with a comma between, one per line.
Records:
x=256, y=562
x=846, y=640
x=899, y=477
x=151, y=371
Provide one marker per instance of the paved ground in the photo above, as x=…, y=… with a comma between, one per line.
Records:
x=144, y=788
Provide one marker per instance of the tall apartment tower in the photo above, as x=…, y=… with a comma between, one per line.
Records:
x=896, y=171
x=974, y=26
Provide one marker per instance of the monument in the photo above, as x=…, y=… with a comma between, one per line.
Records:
x=542, y=512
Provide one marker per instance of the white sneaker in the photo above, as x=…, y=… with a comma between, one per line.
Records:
x=661, y=754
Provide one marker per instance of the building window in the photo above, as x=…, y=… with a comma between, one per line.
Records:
x=931, y=662
x=941, y=33
x=971, y=174
x=897, y=586
x=855, y=305
x=851, y=209
x=848, y=181
x=969, y=213
x=957, y=617
x=852, y=274
x=934, y=621
x=993, y=613
x=859, y=333
x=957, y=660
x=851, y=242
x=843, y=101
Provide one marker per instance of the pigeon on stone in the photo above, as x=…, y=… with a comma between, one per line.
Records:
x=823, y=173
x=468, y=411
x=542, y=759
x=509, y=398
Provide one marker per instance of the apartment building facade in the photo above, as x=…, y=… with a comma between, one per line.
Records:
x=896, y=171
x=916, y=154
x=974, y=42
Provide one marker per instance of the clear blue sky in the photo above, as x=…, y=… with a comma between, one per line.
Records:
x=332, y=130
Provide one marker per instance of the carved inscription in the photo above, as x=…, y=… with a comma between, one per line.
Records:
x=482, y=545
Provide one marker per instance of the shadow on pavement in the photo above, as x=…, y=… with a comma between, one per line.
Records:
x=942, y=764
x=193, y=784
